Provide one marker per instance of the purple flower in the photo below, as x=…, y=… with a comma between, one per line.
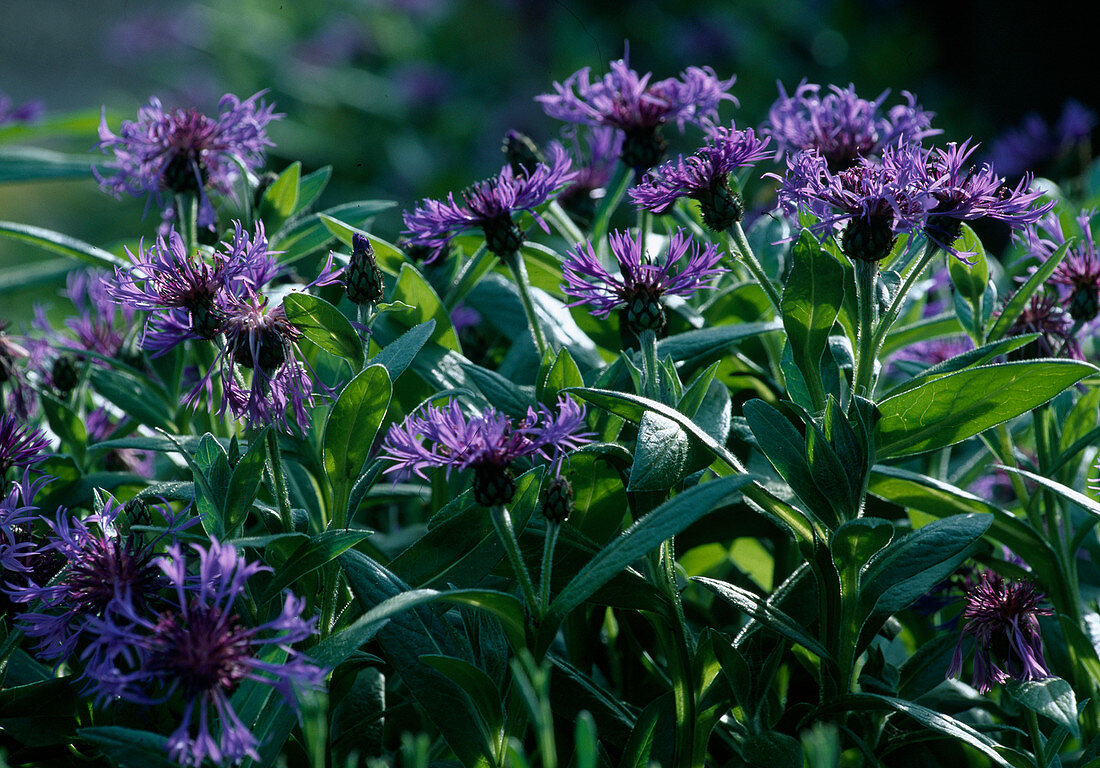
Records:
x=27, y=112
x=704, y=176
x=639, y=108
x=965, y=193
x=841, y=126
x=641, y=282
x=21, y=445
x=1077, y=278
x=16, y=395
x=17, y=516
x=200, y=648
x=1034, y=143
x=182, y=151
x=603, y=145
x=489, y=204
x=488, y=443
x=875, y=200
x=181, y=290
x=1057, y=338
x=101, y=426
x=1002, y=617
x=101, y=569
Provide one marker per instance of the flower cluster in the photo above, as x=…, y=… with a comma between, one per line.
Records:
x=488, y=443
x=638, y=107
x=490, y=205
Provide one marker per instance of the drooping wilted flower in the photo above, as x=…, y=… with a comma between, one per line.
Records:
x=197, y=646
x=1044, y=316
x=489, y=204
x=685, y=269
x=182, y=290
x=182, y=151
x=873, y=200
x=639, y=108
x=704, y=176
x=21, y=445
x=842, y=127
x=1034, y=145
x=488, y=443
x=1002, y=617
x=965, y=193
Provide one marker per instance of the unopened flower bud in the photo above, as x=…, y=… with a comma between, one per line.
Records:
x=557, y=500
x=64, y=374
x=494, y=484
x=364, y=278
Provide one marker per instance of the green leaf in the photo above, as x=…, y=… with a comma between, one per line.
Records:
x=970, y=280
x=134, y=396
x=325, y=326
x=399, y=353
x=959, y=405
x=415, y=291
x=281, y=199
x=969, y=359
x=1052, y=698
x=311, y=187
x=352, y=425
x=129, y=748
x=309, y=234
x=66, y=425
x=244, y=484
x=563, y=374
x=853, y=546
x=643, y=536
x=36, y=164
x=1016, y=304
x=1075, y=497
x=500, y=391
x=760, y=609
x=59, y=243
x=773, y=750
x=388, y=256
x=478, y=686
x=311, y=555
x=661, y=455
x=30, y=275
x=711, y=341
x=811, y=302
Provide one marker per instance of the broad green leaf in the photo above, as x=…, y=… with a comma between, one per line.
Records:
x=970, y=279
x=811, y=302
x=388, y=256
x=415, y=291
x=711, y=341
x=661, y=455
x=36, y=164
x=350, y=430
x=959, y=405
x=928, y=328
x=853, y=546
x=59, y=243
x=281, y=199
x=245, y=481
x=311, y=187
x=969, y=359
x=1067, y=493
x=325, y=326
x=760, y=609
x=1052, y=698
x=311, y=555
x=499, y=391
x=399, y=353
x=478, y=686
x=771, y=749
x=1018, y=302
x=130, y=748
x=310, y=233
x=563, y=374
x=695, y=394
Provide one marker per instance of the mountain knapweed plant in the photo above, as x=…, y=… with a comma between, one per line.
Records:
x=747, y=458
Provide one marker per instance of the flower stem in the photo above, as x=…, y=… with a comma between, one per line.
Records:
x=502, y=522
x=564, y=222
x=1036, y=738
x=282, y=498
x=187, y=215
x=892, y=312
x=863, y=381
x=613, y=194
x=518, y=269
x=740, y=244
x=552, y=531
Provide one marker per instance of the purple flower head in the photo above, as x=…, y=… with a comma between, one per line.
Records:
x=1033, y=144
x=100, y=569
x=16, y=395
x=639, y=108
x=489, y=204
x=464, y=317
x=101, y=322
x=704, y=176
x=641, y=282
x=603, y=145
x=1002, y=617
x=28, y=112
x=842, y=127
x=181, y=290
x=1077, y=278
x=182, y=151
x=1057, y=336
x=965, y=193
x=17, y=515
x=199, y=649
x=21, y=445
x=488, y=443
x=874, y=200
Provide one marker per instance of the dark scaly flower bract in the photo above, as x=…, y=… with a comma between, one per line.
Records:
x=488, y=204
x=874, y=200
x=182, y=290
x=841, y=126
x=1002, y=617
x=185, y=151
x=199, y=648
x=638, y=107
x=21, y=445
x=704, y=176
x=487, y=443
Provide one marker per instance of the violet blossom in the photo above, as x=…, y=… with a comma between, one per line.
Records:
x=1077, y=277
x=21, y=444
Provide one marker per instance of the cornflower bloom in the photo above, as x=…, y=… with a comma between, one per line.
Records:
x=16, y=395
x=965, y=193
x=1077, y=278
x=874, y=200
x=488, y=443
x=639, y=108
x=101, y=569
x=841, y=126
x=1034, y=144
x=704, y=176
x=27, y=112
x=182, y=290
x=198, y=647
x=17, y=516
x=1057, y=337
x=1002, y=617
x=685, y=269
x=489, y=204
x=21, y=445
x=182, y=151
x=603, y=145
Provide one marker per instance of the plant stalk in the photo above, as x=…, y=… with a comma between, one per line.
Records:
x=519, y=276
x=740, y=244
x=502, y=522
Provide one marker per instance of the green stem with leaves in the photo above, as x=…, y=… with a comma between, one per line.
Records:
x=549, y=543
x=282, y=497
x=518, y=269
x=502, y=522
x=739, y=243
x=911, y=277
x=863, y=381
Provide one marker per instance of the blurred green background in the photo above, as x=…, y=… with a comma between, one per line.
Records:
x=407, y=98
